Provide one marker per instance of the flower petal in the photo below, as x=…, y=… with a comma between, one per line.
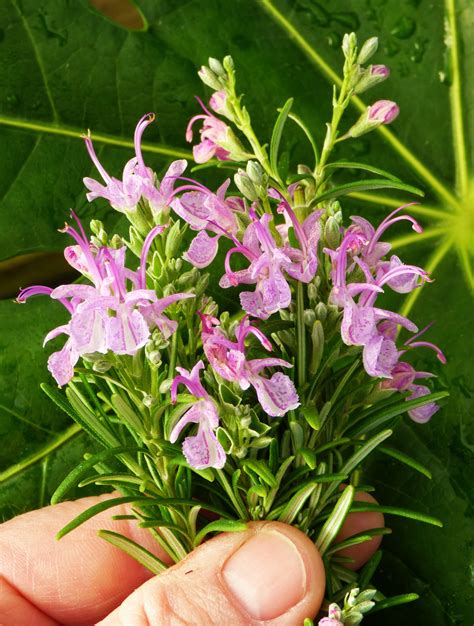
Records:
x=380, y=355
x=204, y=450
x=358, y=325
x=127, y=332
x=61, y=364
x=202, y=250
x=276, y=395
x=88, y=327
x=422, y=414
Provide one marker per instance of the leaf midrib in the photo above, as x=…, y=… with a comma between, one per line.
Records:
x=76, y=133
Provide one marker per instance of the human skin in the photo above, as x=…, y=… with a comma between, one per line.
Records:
x=269, y=574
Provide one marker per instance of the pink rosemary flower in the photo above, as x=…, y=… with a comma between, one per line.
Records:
x=115, y=313
x=217, y=138
x=381, y=112
x=203, y=449
x=277, y=395
x=370, y=77
x=334, y=617
x=404, y=376
x=206, y=212
x=138, y=180
x=269, y=262
x=364, y=324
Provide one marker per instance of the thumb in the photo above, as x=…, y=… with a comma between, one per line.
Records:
x=269, y=574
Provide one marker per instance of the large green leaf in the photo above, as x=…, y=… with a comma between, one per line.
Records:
x=64, y=68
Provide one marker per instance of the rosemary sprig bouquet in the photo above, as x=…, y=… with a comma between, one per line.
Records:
x=210, y=418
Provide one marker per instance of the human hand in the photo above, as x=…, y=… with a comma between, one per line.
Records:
x=269, y=574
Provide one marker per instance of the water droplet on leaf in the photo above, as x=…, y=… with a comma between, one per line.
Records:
x=315, y=12
x=404, y=27
x=419, y=50
x=391, y=48
x=334, y=40
x=12, y=99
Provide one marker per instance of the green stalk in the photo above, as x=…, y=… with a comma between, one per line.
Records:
x=301, y=335
x=238, y=504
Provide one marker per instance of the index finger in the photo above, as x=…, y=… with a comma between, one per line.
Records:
x=77, y=580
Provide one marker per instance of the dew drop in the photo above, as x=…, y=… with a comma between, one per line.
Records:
x=404, y=27
x=334, y=39
x=318, y=13
x=391, y=48
x=419, y=50
x=445, y=75
x=12, y=100
x=403, y=69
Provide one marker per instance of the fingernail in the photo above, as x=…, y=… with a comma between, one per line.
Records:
x=266, y=575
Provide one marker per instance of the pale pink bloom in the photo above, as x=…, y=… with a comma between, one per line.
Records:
x=277, y=395
x=138, y=180
x=203, y=449
x=116, y=312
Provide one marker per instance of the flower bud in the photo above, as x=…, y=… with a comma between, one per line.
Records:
x=364, y=607
x=317, y=341
x=209, y=78
x=216, y=66
x=351, y=597
x=255, y=172
x=368, y=594
x=312, y=293
x=321, y=311
x=309, y=317
x=332, y=232
x=245, y=185
x=116, y=242
x=173, y=240
x=228, y=64
x=97, y=229
x=349, y=43
x=369, y=48
x=135, y=241
x=373, y=75
x=101, y=366
x=381, y=112
x=353, y=619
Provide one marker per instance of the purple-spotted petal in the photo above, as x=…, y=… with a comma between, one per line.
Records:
x=257, y=365
x=252, y=303
x=88, y=327
x=204, y=151
x=61, y=364
x=380, y=355
x=422, y=414
x=276, y=395
x=82, y=292
x=204, y=450
x=127, y=332
x=202, y=410
x=358, y=325
x=167, y=182
x=60, y=330
x=202, y=251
